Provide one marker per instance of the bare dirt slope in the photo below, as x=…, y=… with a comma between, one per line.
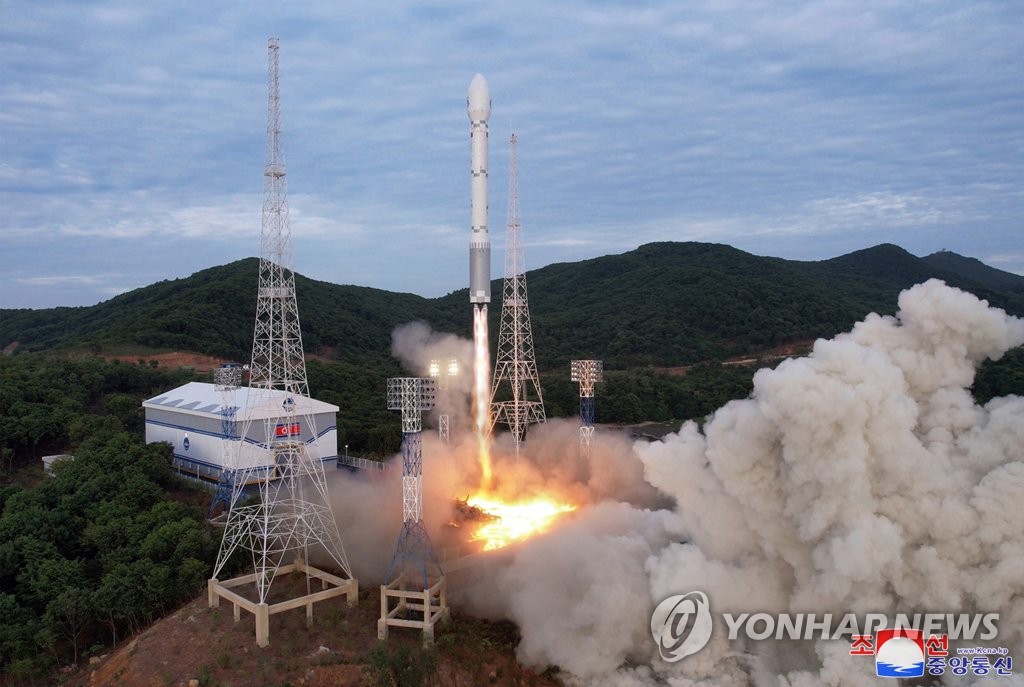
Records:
x=340, y=649
x=767, y=356
x=171, y=359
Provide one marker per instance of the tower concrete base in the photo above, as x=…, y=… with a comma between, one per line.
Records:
x=427, y=607
x=331, y=586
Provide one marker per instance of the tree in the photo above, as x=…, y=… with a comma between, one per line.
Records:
x=69, y=613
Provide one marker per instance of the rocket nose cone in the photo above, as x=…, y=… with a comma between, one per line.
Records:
x=479, y=100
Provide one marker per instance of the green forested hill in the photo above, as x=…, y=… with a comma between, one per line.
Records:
x=663, y=304
x=977, y=271
x=212, y=311
x=668, y=304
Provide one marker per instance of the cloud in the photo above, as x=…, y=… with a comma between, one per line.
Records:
x=62, y=280
x=1005, y=259
x=693, y=119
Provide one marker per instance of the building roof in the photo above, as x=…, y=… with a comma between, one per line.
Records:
x=203, y=398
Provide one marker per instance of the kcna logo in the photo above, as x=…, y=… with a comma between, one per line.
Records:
x=681, y=625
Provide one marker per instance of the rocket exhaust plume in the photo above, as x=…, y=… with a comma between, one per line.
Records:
x=478, y=105
x=481, y=388
x=862, y=478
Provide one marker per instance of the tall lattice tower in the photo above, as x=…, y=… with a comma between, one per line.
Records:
x=293, y=514
x=587, y=373
x=226, y=381
x=414, y=561
x=516, y=399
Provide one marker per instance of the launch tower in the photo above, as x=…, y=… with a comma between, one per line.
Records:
x=292, y=514
x=516, y=399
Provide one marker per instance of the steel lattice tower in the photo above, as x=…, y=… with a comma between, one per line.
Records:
x=515, y=367
x=587, y=373
x=414, y=558
x=293, y=514
x=226, y=380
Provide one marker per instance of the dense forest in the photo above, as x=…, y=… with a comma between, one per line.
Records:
x=113, y=539
x=99, y=549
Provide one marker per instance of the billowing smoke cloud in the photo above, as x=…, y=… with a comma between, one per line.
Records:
x=861, y=478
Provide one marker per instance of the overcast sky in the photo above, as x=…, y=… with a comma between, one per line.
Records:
x=133, y=134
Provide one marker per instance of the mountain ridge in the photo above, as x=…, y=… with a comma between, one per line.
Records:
x=665, y=303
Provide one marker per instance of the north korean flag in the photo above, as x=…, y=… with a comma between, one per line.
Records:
x=288, y=430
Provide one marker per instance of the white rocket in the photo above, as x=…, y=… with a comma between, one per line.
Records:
x=479, y=105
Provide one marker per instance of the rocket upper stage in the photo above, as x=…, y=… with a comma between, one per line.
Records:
x=478, y=104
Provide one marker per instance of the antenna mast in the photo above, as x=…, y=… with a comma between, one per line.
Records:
x=277, y=359
x=515, y=369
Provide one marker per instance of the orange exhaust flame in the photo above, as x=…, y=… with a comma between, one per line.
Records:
x=514, y=521
x=511, y=521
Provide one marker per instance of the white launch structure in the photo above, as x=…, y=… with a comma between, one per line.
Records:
x=414, y=562
x=516, y=398
x=293, y=514
x=587, y=373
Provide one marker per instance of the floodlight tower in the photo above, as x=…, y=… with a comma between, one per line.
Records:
x=414, y=554
x=515, y=365
x=226, y=381
x=587, y=373
x=441, y=375
x=289, y=518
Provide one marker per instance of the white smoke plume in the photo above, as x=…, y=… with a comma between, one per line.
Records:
x=861, y=478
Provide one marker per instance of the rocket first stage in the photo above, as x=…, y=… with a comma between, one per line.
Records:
x=479, y=106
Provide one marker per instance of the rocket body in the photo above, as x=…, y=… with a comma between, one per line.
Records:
x=479, y=108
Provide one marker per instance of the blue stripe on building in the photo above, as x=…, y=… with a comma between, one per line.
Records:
x=220, y=435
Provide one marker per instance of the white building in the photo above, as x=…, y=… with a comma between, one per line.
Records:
x=192, y=419
x=48, y=461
